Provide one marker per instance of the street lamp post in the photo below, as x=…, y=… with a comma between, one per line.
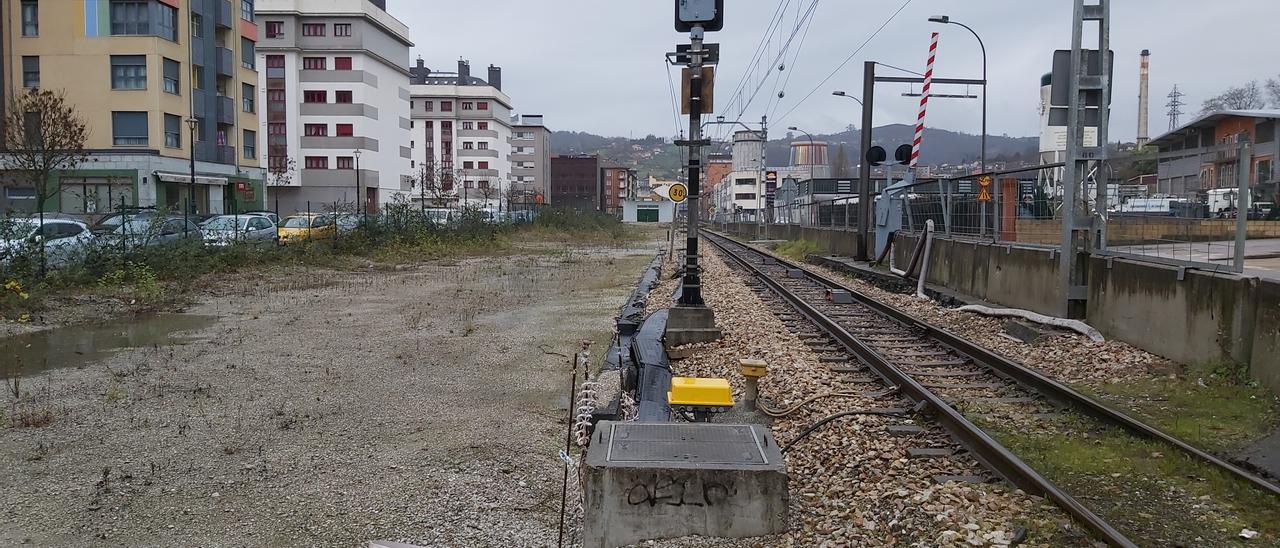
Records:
x=359, y=200
x=192, y=122
x=812, y=187
x=847, y=96
x=945, y=20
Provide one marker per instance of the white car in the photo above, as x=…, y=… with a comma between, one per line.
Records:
x=227, y=229
x=62, y=238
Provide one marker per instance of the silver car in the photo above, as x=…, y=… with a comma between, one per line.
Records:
x=224, y=230
x=62, y=239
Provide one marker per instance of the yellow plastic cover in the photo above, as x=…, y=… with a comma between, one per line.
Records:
x=700, y=392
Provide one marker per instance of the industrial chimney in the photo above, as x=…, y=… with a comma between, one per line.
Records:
x=1143, y=74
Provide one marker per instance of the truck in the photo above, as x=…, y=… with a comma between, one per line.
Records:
x=1221, y=201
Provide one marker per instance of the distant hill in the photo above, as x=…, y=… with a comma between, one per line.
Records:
x=655, y=156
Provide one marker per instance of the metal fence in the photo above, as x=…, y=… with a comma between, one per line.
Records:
x=1021, y=207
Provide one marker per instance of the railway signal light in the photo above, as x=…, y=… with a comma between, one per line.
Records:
x=708, y=14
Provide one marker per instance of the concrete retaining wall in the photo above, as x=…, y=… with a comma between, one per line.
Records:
x=835, y=241
x=1136, y=230
x=1018, y=277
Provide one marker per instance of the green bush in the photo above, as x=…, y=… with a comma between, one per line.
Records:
x=798, y=249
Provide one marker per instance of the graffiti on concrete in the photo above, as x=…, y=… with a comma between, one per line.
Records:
x=680, y=491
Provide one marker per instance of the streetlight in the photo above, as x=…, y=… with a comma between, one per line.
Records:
x=811, y=152
x=945, y=20
x=847, y=96
x=192, y=122
x=359, y=202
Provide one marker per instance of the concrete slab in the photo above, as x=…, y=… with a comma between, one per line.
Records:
x=690, y=324
x=1264, y=455
x=662, y=480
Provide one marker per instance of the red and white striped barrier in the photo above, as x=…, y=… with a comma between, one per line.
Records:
x=924, y=101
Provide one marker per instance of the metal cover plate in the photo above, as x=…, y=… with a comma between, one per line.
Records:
x=684, y=443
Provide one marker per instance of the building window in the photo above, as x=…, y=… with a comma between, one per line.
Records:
x=468, y=105
x=197, y=25
x=346, y=162
x=129, y=128
x=468, y=165
x=30, y=18
x=428, y=106
x=200, y=130
x=468, y=125
x=250, y=144
x=482, y=125
x=172, y=72
x=128, y=72
x=247, y=54
x=342, y=96
x=247, y=96
x=30, y=71
x=482, y=145
x=482, y=105
x=342, y=29
x=315, y=96
x=313, y=63
x=484, y=165
x=446, y=106
x=246, y=10
x=129, y=17
x=345, y=130
x=468, y=145
x=167, y=25
x=275, y=29
x=316, y=130
x=317, y=162
x=313, y=29
x=172, y=131
x=343, y=63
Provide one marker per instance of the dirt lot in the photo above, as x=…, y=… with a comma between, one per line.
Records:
x=324, y=409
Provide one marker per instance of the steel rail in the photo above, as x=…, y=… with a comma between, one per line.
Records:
x=1036, y=382
x=983, y=447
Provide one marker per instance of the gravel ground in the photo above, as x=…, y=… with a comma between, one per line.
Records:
x=324, y=409
x=851, y=483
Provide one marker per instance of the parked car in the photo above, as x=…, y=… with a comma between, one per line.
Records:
x=348, y=222
x=152, y=230
x=224, y=230
x=62, y=238
x=111, y=222
x=298, y=228
x=275, y=218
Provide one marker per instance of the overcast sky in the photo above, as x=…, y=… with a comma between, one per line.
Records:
x=595, y=65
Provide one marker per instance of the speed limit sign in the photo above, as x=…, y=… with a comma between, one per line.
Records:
x=678, y=193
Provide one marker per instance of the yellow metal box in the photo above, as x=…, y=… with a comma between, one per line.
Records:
x=753, y=368
x=700, y=392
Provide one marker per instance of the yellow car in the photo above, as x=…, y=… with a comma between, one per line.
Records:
x=298, y=228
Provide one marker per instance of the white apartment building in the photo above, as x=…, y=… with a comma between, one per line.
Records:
x=531, y=159
x=461, y=128
x=335, y=87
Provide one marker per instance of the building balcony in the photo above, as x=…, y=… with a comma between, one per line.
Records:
x=226, y=62
x=226, y=110
x=224, y=154
x=226, y=15
x=480, y=172
x=489, y=133
x=477, y=153
x=340, y=143
x=338, y=178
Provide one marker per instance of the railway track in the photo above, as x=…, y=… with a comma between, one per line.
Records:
x=951, y=380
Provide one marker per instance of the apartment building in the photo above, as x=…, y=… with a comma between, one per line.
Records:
x=531, y=159
x=575, y=182
x=1203, y=155
x=335, y=86
x=462, y=135
x=146, y=76
x=617, y=184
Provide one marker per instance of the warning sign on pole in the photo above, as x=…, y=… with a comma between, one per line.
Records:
x=984, y=188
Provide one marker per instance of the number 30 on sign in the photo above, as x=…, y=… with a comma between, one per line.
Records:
x=677, y=193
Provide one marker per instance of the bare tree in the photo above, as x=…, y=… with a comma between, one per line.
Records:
x=281, y=174
x=1273, y=90
x=1245, y=97
x=488, y=190
x=43, y=135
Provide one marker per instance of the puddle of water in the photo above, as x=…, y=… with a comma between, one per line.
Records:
x=78, y=345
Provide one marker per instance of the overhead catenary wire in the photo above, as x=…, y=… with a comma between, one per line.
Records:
x=742, y=109
x=766, y=37
x=795, y=59
x=842, y=64
x=675, y=102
